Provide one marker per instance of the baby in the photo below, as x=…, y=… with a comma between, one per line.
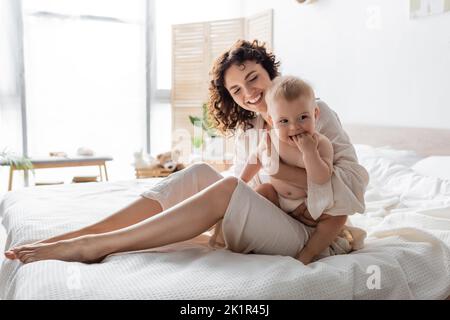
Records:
x=292, y=112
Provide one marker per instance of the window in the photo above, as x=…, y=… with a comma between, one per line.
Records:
x=85, y=78
x=11, y=84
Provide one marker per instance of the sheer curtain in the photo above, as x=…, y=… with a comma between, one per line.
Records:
x=10, y=95
x=85, y=77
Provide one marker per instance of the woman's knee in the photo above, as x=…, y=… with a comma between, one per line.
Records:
x=204, y=174
x=222, y=194
x=229, y=184
x=203, y=169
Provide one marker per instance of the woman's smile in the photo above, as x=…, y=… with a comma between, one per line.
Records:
x=256, y=99
x=247, y=84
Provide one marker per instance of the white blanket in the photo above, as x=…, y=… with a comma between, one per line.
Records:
x=407, y=253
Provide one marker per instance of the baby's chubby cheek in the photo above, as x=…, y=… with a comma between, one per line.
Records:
x=277, y=135
x=281, y=135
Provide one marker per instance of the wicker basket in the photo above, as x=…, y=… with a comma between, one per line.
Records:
x=152, y=173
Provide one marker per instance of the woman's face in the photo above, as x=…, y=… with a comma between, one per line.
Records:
x=247, y=84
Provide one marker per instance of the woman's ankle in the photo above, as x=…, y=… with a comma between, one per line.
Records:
x=96, y=246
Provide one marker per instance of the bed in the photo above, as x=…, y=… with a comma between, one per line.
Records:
x=406, y=255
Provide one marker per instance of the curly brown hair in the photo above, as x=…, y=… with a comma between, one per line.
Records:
x=222, y=109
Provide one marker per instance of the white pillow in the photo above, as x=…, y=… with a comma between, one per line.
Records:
x=435, y=166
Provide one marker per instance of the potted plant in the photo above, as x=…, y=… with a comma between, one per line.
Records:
x=19, y=162
x=212, y=142
x=206, y=126
x=204, y=122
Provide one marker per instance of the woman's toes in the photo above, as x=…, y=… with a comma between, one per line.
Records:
x=10, y=255
x=22, y=254
x=22, y=258
x=30, y=257
x=18, y=250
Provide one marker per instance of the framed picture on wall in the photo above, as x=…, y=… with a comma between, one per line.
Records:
x=424, y=8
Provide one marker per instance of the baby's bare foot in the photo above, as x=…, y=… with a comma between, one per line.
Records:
x=81, y=249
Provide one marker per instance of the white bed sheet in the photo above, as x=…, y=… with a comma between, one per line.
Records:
x=407, y=219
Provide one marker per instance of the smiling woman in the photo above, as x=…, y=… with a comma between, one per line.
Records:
x=249, y=69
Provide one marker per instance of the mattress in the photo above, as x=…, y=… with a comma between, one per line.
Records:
x=406, y=255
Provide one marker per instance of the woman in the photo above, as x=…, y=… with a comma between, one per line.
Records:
x=181, y=203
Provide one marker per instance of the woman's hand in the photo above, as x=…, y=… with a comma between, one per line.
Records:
x=301, y=214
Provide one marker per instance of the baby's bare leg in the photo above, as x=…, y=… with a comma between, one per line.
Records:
x=328, y=228
x=268, y=191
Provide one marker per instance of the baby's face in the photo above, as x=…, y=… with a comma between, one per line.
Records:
x=291, y=118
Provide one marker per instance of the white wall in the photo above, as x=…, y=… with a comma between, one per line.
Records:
x=366, y=58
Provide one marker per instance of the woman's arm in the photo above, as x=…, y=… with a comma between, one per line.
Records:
x=251, y=168
x=349, y=179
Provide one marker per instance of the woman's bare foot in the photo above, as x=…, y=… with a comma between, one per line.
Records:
x=70, y=235
x=81, y=249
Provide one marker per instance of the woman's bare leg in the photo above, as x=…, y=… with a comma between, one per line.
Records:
x=137, y=211
x=183, y=221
